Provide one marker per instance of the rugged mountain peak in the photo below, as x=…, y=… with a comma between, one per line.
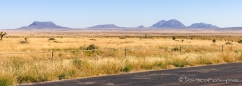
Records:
x=173, y=23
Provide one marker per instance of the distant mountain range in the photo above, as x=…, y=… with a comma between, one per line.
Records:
x=173, y=23
x=43, y=25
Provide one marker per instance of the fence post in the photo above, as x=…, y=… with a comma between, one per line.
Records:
x=180, y=49
x=52, y=55
x=222, y=48
x=125, y=50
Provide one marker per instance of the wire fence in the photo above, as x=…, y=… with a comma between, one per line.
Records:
x=110, y=52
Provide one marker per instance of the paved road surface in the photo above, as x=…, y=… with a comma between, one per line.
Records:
x=206, y=76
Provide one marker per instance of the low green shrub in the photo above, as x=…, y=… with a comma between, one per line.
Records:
x=173, y=38
x=122, y=37
x=25, y=79
x=51, y=39
x=92, y=47
x=82, y=48
x=77, y=63
x=228, y=43
x=62, y=76
x=240, y=41
x=4, y=82
x=126, y=69
x=175, y=49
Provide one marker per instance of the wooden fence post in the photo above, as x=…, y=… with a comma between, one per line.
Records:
x=52, y=55
x=125, y=53
x=180, y=49
x=222, y=48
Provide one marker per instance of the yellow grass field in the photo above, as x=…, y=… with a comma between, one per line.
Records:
x=69, y=56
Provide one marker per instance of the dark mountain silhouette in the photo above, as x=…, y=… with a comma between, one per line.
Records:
x=202, y=25
x=158, y=24
x=141, y=26
x=169, y=24
x=105, y=26
x=42, y=25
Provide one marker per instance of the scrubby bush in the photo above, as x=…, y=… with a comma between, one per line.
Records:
x=67, y=74
x=4, y=82
x=26, y=79
x=237, y=51
x=77, y=63
x=51, y=38
x=23, y=42
x=173, y=37
x=93, y=39
x=62, y=76
x=175, y=49
x=82, y=48
x=126, y=69
x=228, y=43
x=57, y=42
x=26, y=39
x=122, y=37
x=188, y=51
x=158, y=64
x=92, y=47
x=179, y=62
x=240, y=41
x=214, y=40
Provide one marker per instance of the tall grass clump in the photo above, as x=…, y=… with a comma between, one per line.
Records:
x=4, y=82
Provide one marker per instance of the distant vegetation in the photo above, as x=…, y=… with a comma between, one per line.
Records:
x=51, y=38
x=2, y=34
x=214, y=40
x=173, y=38
x=240, y=41
x=228, y=43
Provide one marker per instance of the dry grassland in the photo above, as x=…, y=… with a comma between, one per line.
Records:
x=33, y=61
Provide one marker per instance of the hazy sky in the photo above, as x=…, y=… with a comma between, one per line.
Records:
x=125, y=13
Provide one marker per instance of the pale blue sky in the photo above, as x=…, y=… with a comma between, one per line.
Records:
x=125, y=13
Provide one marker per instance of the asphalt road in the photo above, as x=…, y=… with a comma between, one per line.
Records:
x=211, y=75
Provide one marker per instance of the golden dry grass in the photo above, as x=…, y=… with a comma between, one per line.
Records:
x=72, y=61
